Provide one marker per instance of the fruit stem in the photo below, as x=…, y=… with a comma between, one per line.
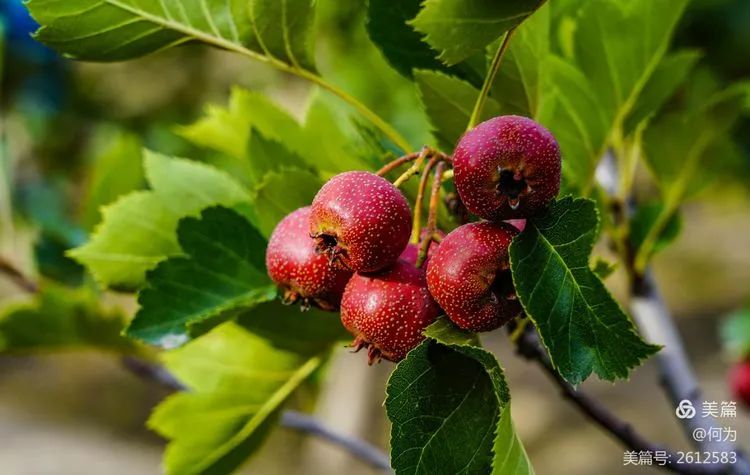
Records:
x=389, y=167
x=432, y=214
x=417, y=224
x=476, y=114
x=414, y=169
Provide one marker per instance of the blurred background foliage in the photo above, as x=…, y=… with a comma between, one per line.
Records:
x=71, y=136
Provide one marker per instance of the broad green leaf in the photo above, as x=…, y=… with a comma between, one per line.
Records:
x=284, y=30
x=138, y=230
x=237, y=383
x=116, y=169
x=61, y=318
x=450, y=410
x=320, y=141
x=403, y=47
x=518, y=85
x=448, y=102
x=460, y=28
x=279, y=194
x=113, y=30
x=222, y=274
x=619, y=44
x=735, y=333
x=644, y=219
x=671, y=72
x=581, y=325
x=270, y=156
x=571, y=111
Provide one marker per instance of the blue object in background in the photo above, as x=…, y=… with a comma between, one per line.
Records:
x=18, y=26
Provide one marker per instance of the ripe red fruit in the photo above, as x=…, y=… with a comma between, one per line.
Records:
x=739, y=381
x=387, y=312
x=469, y=276
x=360, y=221
x=303, y=274
x=507, y=167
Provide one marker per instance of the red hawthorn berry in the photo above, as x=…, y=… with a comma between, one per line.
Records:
x=739, y=382
x=507, y=167
x=469, y=276
x=388, y=311
x=360, y=221
x=301, y=273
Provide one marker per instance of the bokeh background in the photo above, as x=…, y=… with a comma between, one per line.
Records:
x=80, y=412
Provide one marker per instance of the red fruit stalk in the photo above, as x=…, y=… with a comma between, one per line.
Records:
x=469, y=276
x=360, y=221
x=507, y=167
x=302, y=274
x=388, y=311
x=739, y=382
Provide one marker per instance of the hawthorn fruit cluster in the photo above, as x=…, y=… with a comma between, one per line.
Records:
x=349, y=251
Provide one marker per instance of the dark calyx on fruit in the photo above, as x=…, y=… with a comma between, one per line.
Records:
x=507, y=167
x=303, y=275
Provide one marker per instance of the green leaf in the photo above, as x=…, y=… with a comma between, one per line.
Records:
x=314, y=330
x=402, y=46
x=116, y=169
x=114, y=30
x=237, y=384
x=571, y=111
x=619, y=44
x=461, y=28
x=138, y=230
x=319, y=142
x=222, y=275
x=284, y=30
x=518, y=85
x=678, y=143
x=279, y=194
x=602, y=268
x=735, y=333
x=644, y=219
x=581, y=325
x=61, y=318
x=671, y=72
x=450, y=409
x=448, y=102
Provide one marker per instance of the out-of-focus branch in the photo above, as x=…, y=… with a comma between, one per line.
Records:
x=677, y=376
x=17, y=277
x=657, y=325
x=529, y=347
x=294, y=420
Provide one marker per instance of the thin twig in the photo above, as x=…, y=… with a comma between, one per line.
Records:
x=388, y=167
x=364, y=451
x=17, y=277
x=489, y=79
x=424, y=246
x=417, y=224
x=358, y=448
x=415, y=168
x=529, y=347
